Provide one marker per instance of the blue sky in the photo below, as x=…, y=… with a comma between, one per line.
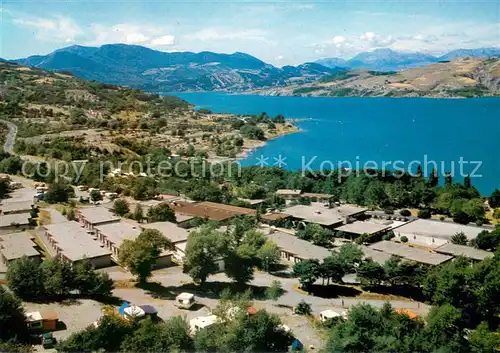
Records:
x=279, y=32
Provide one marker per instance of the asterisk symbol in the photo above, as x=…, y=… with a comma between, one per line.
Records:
x=280, y=161
x=262, y=161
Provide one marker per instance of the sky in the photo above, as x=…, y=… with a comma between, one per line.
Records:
x=279, y=32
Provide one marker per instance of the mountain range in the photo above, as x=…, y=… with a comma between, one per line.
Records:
x=153, y=70
x=144, y=68
x=390, y=60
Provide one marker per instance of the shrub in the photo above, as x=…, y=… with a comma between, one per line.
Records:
x=405, y=213
x=388, y=236
x=389, y=210
x=479, y=222
x=424, y=214
x=303, y=308
x=404, y=239
x=442, y=218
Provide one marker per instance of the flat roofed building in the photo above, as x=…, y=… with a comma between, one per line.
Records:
x=113, y=234
x=316, y=212
x=436, y=229
x=14, y=246
x=170, y=230
x=289, y=193
x=377, y=256
x=14, y=222
x=463, y=250
x=274, y=217
x=211, y=210
x=72, y=243
x=295, y=250
x=177, y=235
x=95, y=215
x=358, y=228
x=316, y=196
x=15, y=206
x=410, y=253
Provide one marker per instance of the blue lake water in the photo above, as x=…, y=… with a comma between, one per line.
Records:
x=377, y=130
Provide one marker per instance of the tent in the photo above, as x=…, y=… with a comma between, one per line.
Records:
x=297, y=345
x=121, y=309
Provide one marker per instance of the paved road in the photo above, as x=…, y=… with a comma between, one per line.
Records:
x=10, y=139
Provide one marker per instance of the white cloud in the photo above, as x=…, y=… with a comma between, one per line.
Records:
x=58, y=29
x=163, y=40
x=218, y=34
x=376, y=41
x=338, y=40
x=129, y=34
x=279, y=57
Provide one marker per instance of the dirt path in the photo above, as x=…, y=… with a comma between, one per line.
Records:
x=10, y=139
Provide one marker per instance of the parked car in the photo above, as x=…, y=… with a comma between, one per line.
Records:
x=48, y=340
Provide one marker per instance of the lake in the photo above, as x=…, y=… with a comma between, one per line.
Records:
x=456, y=134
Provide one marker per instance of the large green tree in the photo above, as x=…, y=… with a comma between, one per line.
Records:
x=12, y=319
x=205, y=247
x=169, y=336
x=25, y=278
x=140, y=255
x=161, y=213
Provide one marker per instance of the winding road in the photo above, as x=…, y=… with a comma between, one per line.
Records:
x=10, y=138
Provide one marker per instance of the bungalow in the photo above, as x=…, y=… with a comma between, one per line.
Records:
x=289, y=194
x=295, y=250
x=329, y=217
x=112, y=235
x=15, y=222
x=74, y=244
x=177, y=235
x=358, y=228
x=92, y=216
x=14, y=246
x=13, y=207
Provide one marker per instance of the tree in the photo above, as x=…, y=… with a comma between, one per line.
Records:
x=494, y=199
x=90, y=282
x=138, y=213
x=303, y=308
x=107, y=336
x=121, y=207
x=445, y=329
x=275, y=290
x=58, y=277
x=260, y=332
x=268, y=255
x=404, y=239
x=140, y=255
x=482, y=340
x=161, y=213
x=204, y=248
x=307, y=271
x=58, y=192
x=12, y=319
x=370, y=273
x=316, y=233
x=351, y=256
x=168, y=336
x=25, y=278
x=424, y=213
x=95, y=195
x=486, y=240
x=459, y=238
x=332, y=269
x=239, y=263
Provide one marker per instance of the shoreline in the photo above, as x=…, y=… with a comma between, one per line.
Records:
x=244, y=154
